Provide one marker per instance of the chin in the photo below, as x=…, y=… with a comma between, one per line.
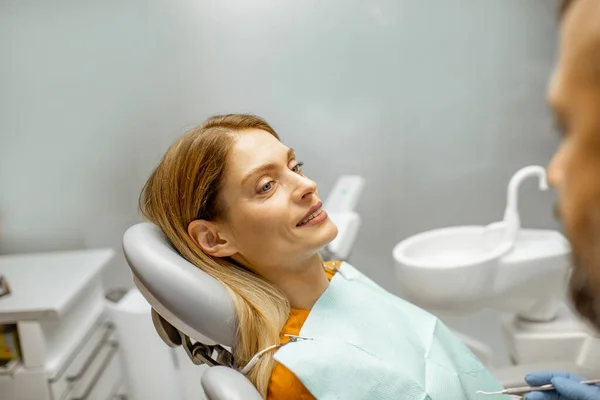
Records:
x=326, y=234
x=319, y=236
x=331, y=230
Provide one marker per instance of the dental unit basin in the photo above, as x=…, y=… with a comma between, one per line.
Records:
x=470, y=268
x=498, y=266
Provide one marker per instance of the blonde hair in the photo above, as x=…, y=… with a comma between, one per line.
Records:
x=185, y=186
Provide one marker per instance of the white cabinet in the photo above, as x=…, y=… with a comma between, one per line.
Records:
x=69, y=350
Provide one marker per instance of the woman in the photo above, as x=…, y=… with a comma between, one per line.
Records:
x=233, y=200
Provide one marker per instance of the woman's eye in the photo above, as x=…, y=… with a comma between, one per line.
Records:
x=266, y=188
x=298, y=167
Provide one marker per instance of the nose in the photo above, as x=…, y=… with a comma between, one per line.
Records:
x=556, y=169
x=305, y=188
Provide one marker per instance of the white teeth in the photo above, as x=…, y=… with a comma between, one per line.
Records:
x=311, y=216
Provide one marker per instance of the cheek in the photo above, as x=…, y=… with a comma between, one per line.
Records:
x=260, y=222
x=580, y=180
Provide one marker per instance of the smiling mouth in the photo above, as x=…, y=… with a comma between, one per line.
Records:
x=315, y=214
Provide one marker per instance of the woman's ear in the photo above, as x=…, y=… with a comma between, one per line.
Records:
x=212, y=238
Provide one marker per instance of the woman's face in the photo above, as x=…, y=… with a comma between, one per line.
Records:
x=268, y=200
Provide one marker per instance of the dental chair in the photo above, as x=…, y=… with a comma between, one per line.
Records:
x=193, y=310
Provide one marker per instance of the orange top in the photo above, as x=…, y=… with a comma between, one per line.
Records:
x=283, y=384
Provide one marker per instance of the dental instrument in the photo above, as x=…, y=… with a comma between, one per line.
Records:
x=256, y=357
x=528, y=389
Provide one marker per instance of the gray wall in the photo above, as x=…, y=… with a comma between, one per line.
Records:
x=435, y=103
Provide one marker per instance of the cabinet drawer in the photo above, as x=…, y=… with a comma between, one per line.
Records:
x=102, y=376
x=80, y=361
x=84, y=358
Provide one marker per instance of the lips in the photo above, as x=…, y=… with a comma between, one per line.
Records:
x=311, y=211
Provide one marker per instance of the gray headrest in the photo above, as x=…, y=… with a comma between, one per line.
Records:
x=188, y=298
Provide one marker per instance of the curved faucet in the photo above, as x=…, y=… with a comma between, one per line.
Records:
x=511, y=214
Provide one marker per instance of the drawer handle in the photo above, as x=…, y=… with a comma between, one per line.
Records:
x=101, y=370
x=92, y=357
x=99, y=325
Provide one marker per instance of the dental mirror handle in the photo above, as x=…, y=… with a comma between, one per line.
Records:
x=544, y=388
x=528, y=389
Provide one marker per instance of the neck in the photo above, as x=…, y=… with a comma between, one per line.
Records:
x=303, y=283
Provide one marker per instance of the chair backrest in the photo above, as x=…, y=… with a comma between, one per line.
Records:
x=191, y=300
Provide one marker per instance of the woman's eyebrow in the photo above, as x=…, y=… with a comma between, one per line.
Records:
x=267, y=167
